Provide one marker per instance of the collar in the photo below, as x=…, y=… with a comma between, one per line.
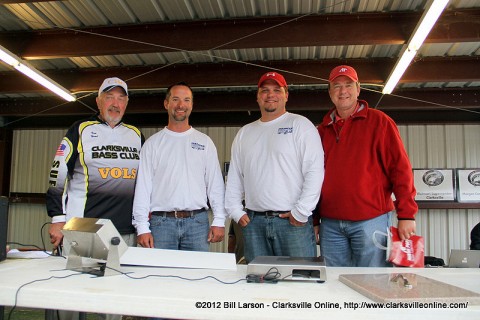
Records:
x=361, y=111
x=336, y=116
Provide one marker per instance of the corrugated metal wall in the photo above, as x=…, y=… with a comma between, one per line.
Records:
x=444, y=146
x=429, y=146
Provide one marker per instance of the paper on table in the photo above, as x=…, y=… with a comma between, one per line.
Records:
x=138, y=256
x=16, y=254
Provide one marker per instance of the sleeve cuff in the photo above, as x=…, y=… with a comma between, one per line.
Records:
x=143, y=229
x=237, y=215
x=299, y=216
x=59, y=218
x=218, y=222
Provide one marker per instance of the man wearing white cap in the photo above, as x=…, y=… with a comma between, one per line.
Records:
x=95, y=166
x=277, y=168
x=365, y=161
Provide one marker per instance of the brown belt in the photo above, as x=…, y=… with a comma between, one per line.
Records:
x=179, y=214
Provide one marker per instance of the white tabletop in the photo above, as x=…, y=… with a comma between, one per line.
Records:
x=209, y=299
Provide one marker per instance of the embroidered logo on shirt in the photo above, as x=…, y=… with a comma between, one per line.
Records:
x=93, y=134
x=285, y=130
x=197, y=146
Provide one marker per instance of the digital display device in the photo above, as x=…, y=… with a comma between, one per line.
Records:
x=290, y=268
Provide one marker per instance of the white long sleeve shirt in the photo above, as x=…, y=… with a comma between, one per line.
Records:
x=178, y=171
x=276, y=165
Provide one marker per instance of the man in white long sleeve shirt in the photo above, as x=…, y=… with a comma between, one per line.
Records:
x=277, y=168
x=178, y=173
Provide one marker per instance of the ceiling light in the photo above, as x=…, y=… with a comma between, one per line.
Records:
x=400, y=67
x=28, y=70
x=427, y=21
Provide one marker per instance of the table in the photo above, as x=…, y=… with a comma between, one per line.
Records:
x=209, y=299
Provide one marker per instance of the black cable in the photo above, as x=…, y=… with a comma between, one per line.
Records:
x=35, y=246
x=269, y=277
x=33, y=281
x=173, y=276
x=41, y=234
x=25, y=245
x=57, y=251
x=378, y=102
x=272, y=276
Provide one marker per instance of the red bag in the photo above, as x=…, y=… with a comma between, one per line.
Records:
x=405, y=253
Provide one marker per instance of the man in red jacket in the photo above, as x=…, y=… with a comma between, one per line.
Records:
x=365, y=162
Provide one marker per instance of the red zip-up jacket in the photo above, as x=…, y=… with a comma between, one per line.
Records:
x=365, y=162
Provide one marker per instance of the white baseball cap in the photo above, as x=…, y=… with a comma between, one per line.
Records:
x=110, y=83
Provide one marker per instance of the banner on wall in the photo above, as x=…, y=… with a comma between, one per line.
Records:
x=468, y=181
x=434, y=184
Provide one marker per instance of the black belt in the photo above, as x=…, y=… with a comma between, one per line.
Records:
x=269, y=213
x=178, y=213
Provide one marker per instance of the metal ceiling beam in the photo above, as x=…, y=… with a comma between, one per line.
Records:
x=239, y=107
x=238, y=101
x=239, y=118
x=22, y=1
x=266, y=32
x=209, y=75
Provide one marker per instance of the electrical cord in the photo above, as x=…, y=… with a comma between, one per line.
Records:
x=120, y=272
x=127, y=274
x=33, y=281
x=41, y=233
x=56, y=253
x=36, y=247
x=272, y=276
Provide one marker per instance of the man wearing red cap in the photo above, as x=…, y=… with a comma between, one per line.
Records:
x=277, y=168
x=365, y=162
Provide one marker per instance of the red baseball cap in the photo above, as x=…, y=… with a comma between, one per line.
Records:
x=275, y=76
x=343, y=70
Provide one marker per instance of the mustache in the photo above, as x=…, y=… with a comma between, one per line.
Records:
x=113, y=108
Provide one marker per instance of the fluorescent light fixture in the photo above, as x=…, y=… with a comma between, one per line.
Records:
x=400, y=67
x=427, y=21
x=28, y=70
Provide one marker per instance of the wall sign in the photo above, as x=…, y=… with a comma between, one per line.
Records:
x=468, y=181
x=434, y=184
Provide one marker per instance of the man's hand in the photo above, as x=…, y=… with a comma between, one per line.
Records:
x=292, y=220
x=244, y=220
x=406, y=229
x=55, y=233
x=145, y=240
x=216, y=234
x=316, y=229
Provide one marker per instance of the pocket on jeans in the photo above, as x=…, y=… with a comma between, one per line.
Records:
x=201, y=218
x=305, y=225
x=156, y=221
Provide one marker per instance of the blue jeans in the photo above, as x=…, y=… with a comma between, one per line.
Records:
x=181, y=234
x=350, y=243
x=274, y=236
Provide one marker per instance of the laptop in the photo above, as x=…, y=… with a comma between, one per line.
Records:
x=464, y=258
